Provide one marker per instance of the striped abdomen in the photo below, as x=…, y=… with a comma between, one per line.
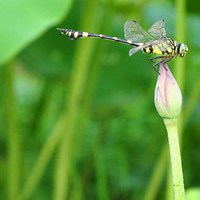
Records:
x=164, y=46
x=72, y=34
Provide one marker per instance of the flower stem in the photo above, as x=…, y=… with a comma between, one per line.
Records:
x=177, y=174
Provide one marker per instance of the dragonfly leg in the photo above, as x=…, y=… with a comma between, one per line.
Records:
x=156, y=64
x=156, y=69
x=156, y=57
x=160, y=59
x=165, y=66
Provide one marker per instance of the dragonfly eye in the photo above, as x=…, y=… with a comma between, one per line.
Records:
x=182, y=49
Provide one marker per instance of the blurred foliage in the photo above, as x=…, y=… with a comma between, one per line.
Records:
x=193, y=194
x=117, y=136
x=24, y=21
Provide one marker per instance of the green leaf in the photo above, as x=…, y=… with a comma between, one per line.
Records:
x=23, y=21
x=193, y=194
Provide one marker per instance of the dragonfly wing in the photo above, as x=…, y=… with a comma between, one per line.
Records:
x=134, y=50
x=134, y=32
x=157, y=30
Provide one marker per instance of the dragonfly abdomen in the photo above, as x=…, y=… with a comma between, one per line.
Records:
x=73, y=34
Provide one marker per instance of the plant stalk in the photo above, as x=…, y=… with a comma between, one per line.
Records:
x=13, y=142
x=177, y=174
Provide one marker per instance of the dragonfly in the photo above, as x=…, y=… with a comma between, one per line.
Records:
x=154, y=41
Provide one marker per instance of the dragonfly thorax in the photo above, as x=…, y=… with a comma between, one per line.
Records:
x=182, y=49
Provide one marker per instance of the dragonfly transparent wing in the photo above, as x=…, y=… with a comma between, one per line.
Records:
x=134, y=32
x=157, y=30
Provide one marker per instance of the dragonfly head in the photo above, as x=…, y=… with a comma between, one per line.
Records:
x=182, y=49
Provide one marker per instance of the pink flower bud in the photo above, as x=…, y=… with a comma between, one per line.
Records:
x=168, y=97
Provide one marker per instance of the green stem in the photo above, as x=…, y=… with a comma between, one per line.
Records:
x=180, y=63
x=180, y=35
x=42, y=161
x=82, y=60
x=177, y=174
x=13, y=136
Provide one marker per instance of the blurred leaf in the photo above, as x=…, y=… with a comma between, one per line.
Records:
x=23, y=21
x=194, y=29
x=193, y=194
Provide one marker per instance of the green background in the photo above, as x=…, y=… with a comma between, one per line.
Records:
x=78, y=119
